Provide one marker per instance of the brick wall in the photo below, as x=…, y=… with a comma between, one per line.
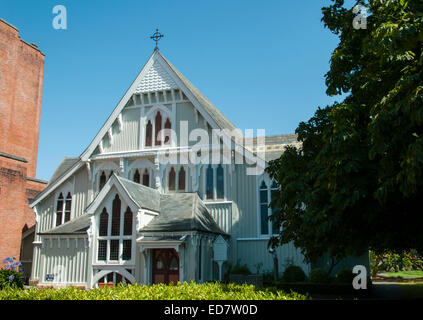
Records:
x=21, y=80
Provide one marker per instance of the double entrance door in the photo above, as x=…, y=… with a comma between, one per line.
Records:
x=165, y=266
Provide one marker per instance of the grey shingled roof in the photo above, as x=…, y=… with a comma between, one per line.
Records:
x=212, y=111
x=63, y=167
x=177, y=212
x=182, y=212
x=76, y=226
x=144, y=197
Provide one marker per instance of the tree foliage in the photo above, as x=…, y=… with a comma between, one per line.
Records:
x=356, y=181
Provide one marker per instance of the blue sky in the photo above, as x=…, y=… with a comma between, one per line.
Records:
x=262, y=63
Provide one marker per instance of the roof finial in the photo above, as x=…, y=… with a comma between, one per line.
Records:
x=156, y=37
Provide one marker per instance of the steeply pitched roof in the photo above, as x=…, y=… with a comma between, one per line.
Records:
x=182, y=212
x=212, y=111
x=79, y=225
x=64, y=166
x=144, y=197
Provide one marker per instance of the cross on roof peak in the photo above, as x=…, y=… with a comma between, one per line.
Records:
x=156, y=37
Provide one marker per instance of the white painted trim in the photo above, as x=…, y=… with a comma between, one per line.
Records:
x=56, y=184
x=128, y=94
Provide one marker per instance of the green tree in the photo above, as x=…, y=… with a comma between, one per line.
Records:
x=356, y=181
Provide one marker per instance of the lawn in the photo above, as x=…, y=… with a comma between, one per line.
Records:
x=406, y=274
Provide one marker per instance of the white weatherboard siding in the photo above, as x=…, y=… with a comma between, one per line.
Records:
x=119, y=150
x=68, y=264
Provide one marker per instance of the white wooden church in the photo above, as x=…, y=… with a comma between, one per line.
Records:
x=119, y=212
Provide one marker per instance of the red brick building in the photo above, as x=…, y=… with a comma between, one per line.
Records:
x=21, y=82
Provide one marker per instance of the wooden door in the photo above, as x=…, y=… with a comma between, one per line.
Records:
x=165, y=266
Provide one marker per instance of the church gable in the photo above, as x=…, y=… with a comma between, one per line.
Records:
x=156, y=79
x=159, y=84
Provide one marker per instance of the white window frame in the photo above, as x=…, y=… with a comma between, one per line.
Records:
x=204, y=184
x=269, y=189
x=67, y=188
x=177, y=168
x=151, y=116
x=109, y=207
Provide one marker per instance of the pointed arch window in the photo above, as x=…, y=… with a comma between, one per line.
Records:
x=59, y=210
x=181, y=179
x=264, y=222
x=158, y=128
x=149, y=134
x=266, y=194
x=172, y=179
x=146, y=178
x=68, y=205
x=115, y=237
x=127, y=222
x=104, y=223
x=103, y=179
x=209, y=183
x=63, y=208
x=167, y=127
x=116, y=217
x=220, y=183
x=137, y=177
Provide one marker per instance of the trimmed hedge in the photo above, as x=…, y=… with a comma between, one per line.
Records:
x=184, y=291
x=319, y=276
x=293, y=274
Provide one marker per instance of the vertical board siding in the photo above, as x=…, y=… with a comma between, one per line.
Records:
x=222, y=214
x=80, y=197
x=125, y=138
x=71, y=261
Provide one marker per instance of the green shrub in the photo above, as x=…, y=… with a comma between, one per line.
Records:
x=240, y=269
x=319, y=276
x=345, y=276
x=184, y=291
x=10, y=275
x=293, y=274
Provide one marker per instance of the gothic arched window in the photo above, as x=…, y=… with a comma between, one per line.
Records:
x=146, y=178
x=68, y=205
x=172, y=179
x=264, y=206
x=149, y=134
x=168, y=127
x=59, y=210
x=116, y=217
x=137, y=177
x=181, y=179
x=266, y=195
x=158, y=128
x=220, y=185
x=104, y=223
x=209, y=182
x=103, y=179
x=127, y=222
